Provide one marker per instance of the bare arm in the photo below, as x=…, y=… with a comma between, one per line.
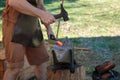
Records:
x=25, y=7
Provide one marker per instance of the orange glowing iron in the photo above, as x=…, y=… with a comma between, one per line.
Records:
x=57, y=42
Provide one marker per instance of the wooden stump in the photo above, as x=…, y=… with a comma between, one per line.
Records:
x=79, y=74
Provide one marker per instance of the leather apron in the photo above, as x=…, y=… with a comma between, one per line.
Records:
x=27, y=30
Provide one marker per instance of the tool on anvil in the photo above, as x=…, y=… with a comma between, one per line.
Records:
x=59, y=43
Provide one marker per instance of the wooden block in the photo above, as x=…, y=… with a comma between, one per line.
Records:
x=66, y=75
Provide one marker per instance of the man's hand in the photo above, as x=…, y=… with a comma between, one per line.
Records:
x=47, y=18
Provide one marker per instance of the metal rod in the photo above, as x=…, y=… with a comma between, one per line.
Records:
x=58, y=27
x=62, y=1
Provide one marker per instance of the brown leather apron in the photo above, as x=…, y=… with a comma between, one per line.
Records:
x=27, y=30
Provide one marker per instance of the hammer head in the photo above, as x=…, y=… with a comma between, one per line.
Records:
x=64, y=13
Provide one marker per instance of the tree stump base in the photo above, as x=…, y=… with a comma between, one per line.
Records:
x=65, y=74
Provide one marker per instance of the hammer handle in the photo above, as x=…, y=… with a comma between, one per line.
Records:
x=57, y=16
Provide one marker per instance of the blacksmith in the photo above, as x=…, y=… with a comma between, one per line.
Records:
x=20, y=13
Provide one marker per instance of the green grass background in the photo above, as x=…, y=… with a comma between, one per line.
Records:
x=93, y=24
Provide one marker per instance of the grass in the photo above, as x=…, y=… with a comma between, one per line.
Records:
x=93, y=17
x=93, y=24
x=89, y=18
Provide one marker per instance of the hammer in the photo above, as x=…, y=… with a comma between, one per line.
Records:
x=63, y=14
